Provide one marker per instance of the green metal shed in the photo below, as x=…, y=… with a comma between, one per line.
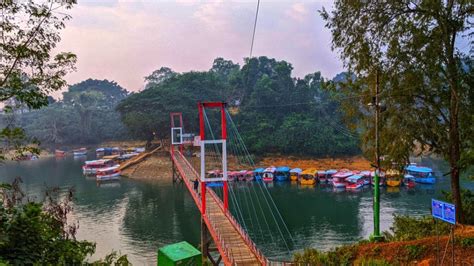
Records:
x=181, y=253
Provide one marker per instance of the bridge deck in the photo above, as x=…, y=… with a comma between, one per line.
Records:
x=234, y=245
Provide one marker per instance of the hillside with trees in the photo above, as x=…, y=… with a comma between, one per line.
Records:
x=274, y=112
x=85, y=115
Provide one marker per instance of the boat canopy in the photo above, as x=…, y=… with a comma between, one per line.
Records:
x=354, y=178
x=270, y=169
x=392, y=172
x=296, y=170
x=112, y=168
x=365, y=173
x=282, y=169
x=419, y=169
x=97, y=162
x=343, y=174
x=309, y=171
x=331, y=171
x=258, y=170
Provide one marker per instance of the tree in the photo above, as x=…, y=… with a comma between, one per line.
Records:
x=159, y=76
x=28, y=71
x=86, y=114
x=424, y=77
x=265, y=99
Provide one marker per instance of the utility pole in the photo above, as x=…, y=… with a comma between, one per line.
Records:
x=376, y=202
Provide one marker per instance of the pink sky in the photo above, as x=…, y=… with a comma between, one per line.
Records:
x=126, y=40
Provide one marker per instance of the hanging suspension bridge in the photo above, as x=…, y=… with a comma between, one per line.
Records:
x=230, y=234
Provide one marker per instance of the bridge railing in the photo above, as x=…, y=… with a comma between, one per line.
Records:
x=248, y=241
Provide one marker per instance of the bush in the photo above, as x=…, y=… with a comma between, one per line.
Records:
x=410, y=228
x=344, y=255
x=38, y=232
x=371, y=262
x=414, y=251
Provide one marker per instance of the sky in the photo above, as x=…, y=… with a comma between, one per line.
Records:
x=125, y=40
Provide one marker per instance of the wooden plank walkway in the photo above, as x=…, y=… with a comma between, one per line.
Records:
x=233, y=243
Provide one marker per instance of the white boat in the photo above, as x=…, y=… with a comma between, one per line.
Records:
x=91, y=167
x=109, y=173
x=80, y=152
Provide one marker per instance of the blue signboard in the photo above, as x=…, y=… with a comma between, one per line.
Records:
x=443, y=211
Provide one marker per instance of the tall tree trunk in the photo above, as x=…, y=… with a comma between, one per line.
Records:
x=455, y=155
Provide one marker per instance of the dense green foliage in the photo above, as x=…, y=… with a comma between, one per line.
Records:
x=343, y=255
x=86, y=114
x=40, y=233
x=425, y=79
x=32, y=232
x=467, y=197
x=29, y=70
x=411, y=228
x=273, y=111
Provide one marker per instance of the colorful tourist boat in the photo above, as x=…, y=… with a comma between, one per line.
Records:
x=282, y=173
x=393, y=181
x=80, y=152
x=258, y=173
x=329, y=174
x=308, y=177
x=100, y=152
x=232, y=175
x=241, y=175
x=295, y=174
x=339, y=178
x=409, y=181
x=249, y=176
x=108, y=173
x=269, y=174
x=322, y=177
x=91, y=167
x=354, y=182
x=59, y=153
x=423, y=175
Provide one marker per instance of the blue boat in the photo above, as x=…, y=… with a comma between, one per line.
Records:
x=423, y=175
x=282, y=173
x=258, y=173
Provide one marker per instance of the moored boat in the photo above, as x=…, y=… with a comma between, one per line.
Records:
x=354, y=182
x=109, y=173
x=295, y=174
x=241, y=175
x=269, y=174
x=258, y=173
x=232, y=175
x=308, y=177
x=322, y=177
x=80, y=152
x=423, y=175
x=282, y=173
x=59, y=153
x=249, y=176
x=329, y=174
x=91, y=167
x=409, y=181
x=339, y=178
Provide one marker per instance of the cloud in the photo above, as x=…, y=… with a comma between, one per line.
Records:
x=125, y=41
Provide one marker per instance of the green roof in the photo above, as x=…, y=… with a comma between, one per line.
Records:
x=180, y=251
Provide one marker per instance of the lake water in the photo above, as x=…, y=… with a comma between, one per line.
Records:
x=136, y=217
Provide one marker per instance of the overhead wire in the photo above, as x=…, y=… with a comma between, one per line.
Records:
x=254, y=28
